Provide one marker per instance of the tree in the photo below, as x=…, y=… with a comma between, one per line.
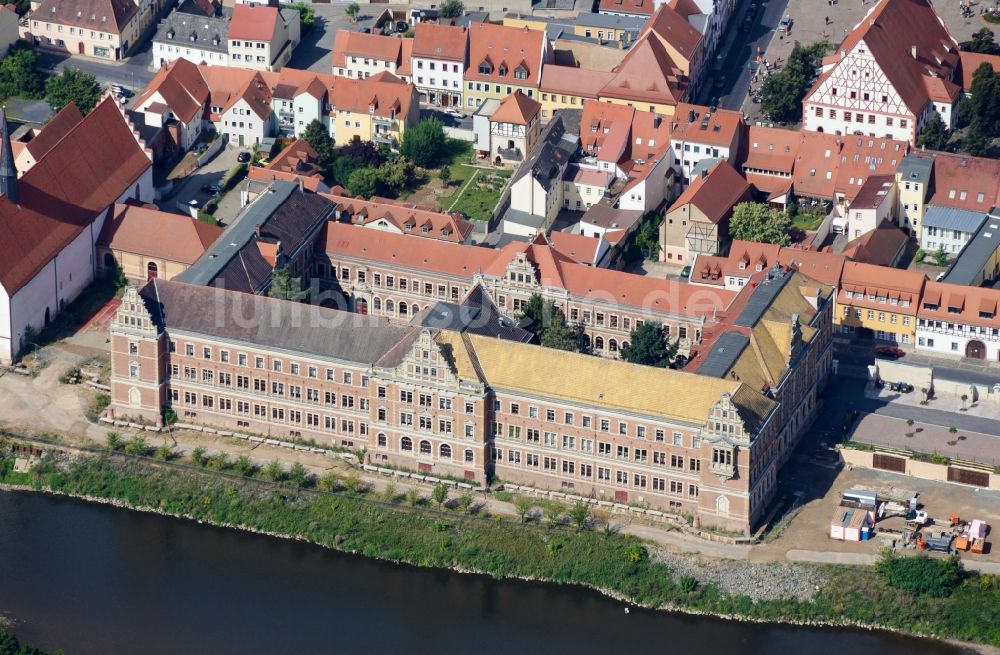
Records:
x=579, y=514
x=984, y=110
x=397, y=174
x=364, y=182
x=424, y=143
x=549, y=324
x=933, y=135
x=940, y=256
x=286, y=287
x=753, y=221
x=648, y=345
x=307, y=17
x=73, y=85
x=298, y=475
x=198, y=456
x=921, y=575
x=273, y=471
x=19, y=75
x=558, y=334
x=318, y=137
x=451, y=9
x=352, y=11
x=522, y=507
x=440, y=494
x=554, y=511
x=782, y=93
x=983, y=42
x=445, y=175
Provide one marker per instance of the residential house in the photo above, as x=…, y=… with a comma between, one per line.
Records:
x=978, y=263
x=175, y=100
x=378, y=108
x=959, y=320
x=359, y=55
x=296, y=163
x=699, y=133
x=602, y=221
x=107, y=29
x=892, y=71
x=568, y=87
x=239, y=104
x=682, y=40
x=874, y=203
x=886, y=245
x=769, y=162
x=193, y=36
x=947, y=229
x=882, y=301
x=263, y=37
x=438, y=63
x=503, y=60
x=647, y=78
x=913, y=187
x=507, y=131
x=298, y=98
x=640, y=8
x=51, y=217
x=698, y=221
x=145, y=243
x=584, y=186
x=748, y=258
x=35, y=143
x=589, y=251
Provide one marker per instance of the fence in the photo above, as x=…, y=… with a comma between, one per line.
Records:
x=956, y=472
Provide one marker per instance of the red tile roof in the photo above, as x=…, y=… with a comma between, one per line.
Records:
x=365, y=45
x=577, y=247
x=971, y=61
x=880, y=246
x=297, y=162
x=388, y=94
x=227, y=86
x=964, y=182
x=674, y=30
x=569, y=80
x=434, y=41
x=637, y=7
x=884, y=282
x=715, y=193
x=150, y=232
x=647, y=74
x=96, y=162
x=507, y=47
x=696, y=123
x=98, y=15
x=516, y=109
x=252, y=22
x=60, y=125
x=407, y=218
x=953, y=303
x=891, y=31
x=823, y=267
x=181, y=85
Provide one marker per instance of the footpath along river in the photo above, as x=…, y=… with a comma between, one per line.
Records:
x=97, y=580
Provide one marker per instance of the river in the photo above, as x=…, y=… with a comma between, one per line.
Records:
x=97, y=580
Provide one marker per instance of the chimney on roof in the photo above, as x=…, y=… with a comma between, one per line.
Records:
x=913, y=51
x=8, y=171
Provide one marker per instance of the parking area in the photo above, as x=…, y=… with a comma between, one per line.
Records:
x=211, y=173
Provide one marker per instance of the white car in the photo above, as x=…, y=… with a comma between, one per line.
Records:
x=454, y=112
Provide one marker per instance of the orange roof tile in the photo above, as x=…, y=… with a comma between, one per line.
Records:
x=696, y=123
x=647, y=74
x=253, y=22
x=577, y=247
x=964, y=182
x=407, y=218
x=960, y=304
x=516, y=109
x=637, y=7
x=181, y=85
x=99, y=15
x=675, y=31
x=971, y=61
x=715, y=193
x=53, y=131
x=384, y=93
x=864, y=279
x=508, y=48
x=227, y=86
x=435, y=41
x=150, y=232
x=570, y=80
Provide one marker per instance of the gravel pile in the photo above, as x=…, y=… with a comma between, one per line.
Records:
x=758, y=580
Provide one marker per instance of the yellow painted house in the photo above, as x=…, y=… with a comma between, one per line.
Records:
x=566, y=87
x=378, y=109
x=881, y=299
x=503, y=60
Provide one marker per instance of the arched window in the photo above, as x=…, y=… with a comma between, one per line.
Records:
x=109, y=261
x=406, y=444
x=403, y=309
x=722, y=505
x=598, y=343
x=151, y=271
x=361, y=306
x=470, y=456
x=425, y=447
x=613, y=345
x=624, y=345
x=586, y=339
x=415, y=309
x=390, y=307
x=382, y=441
x=445, y=451
x=376, y=304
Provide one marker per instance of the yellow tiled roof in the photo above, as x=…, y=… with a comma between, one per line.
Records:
x=600, y=382
x=458, y=355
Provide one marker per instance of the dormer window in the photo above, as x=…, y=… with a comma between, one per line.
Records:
x=485, y=68
x=743, y=266
x=520, y=73
x=502, y=71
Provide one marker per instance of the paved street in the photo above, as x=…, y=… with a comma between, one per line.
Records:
x=210, y=173
x=132, y=74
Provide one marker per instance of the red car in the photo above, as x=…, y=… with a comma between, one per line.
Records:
x=889, y=352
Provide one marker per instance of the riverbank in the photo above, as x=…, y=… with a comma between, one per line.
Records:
x=615, y=564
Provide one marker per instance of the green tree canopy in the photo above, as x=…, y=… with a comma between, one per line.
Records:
x=397, y=174
x=286, y=287
x=306, y=15
x=983, y=42
x=921, y=575
x=752, y=221
x=19, y=74
x=365, y=182
x=782, y=93
x=549, y=324
x=318, y=137
x=73, y=85
x=933, y=135
x=984, y=109
x=424, y=143
x=352, y=11
x=648, y=345
x=451, y=9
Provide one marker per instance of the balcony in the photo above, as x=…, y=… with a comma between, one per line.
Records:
x=723, y=471
x=511, y=154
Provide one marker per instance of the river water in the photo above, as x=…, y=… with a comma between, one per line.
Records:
x=96, y=580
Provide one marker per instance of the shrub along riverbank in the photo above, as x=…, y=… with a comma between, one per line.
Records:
x=618, y=564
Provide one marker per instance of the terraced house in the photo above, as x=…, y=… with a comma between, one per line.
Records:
x=457, y=392
x=503, y=60
x=106, y=29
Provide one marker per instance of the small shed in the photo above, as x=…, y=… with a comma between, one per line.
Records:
x=852, y=524
x=861, y=498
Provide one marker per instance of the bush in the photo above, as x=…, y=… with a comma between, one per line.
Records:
x=273, y=471
x=113, y=440
x=919, y=257
x=921, y=575
x=97, y=405
x=137, y=446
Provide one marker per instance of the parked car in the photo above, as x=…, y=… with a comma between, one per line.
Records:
x=402, y=26
x=451, y=111
x=748, y=20
x=122, y=91
x=785, y=23
x=243, y=157
x=686, y=272
x=889, y=352
x=211, y=188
